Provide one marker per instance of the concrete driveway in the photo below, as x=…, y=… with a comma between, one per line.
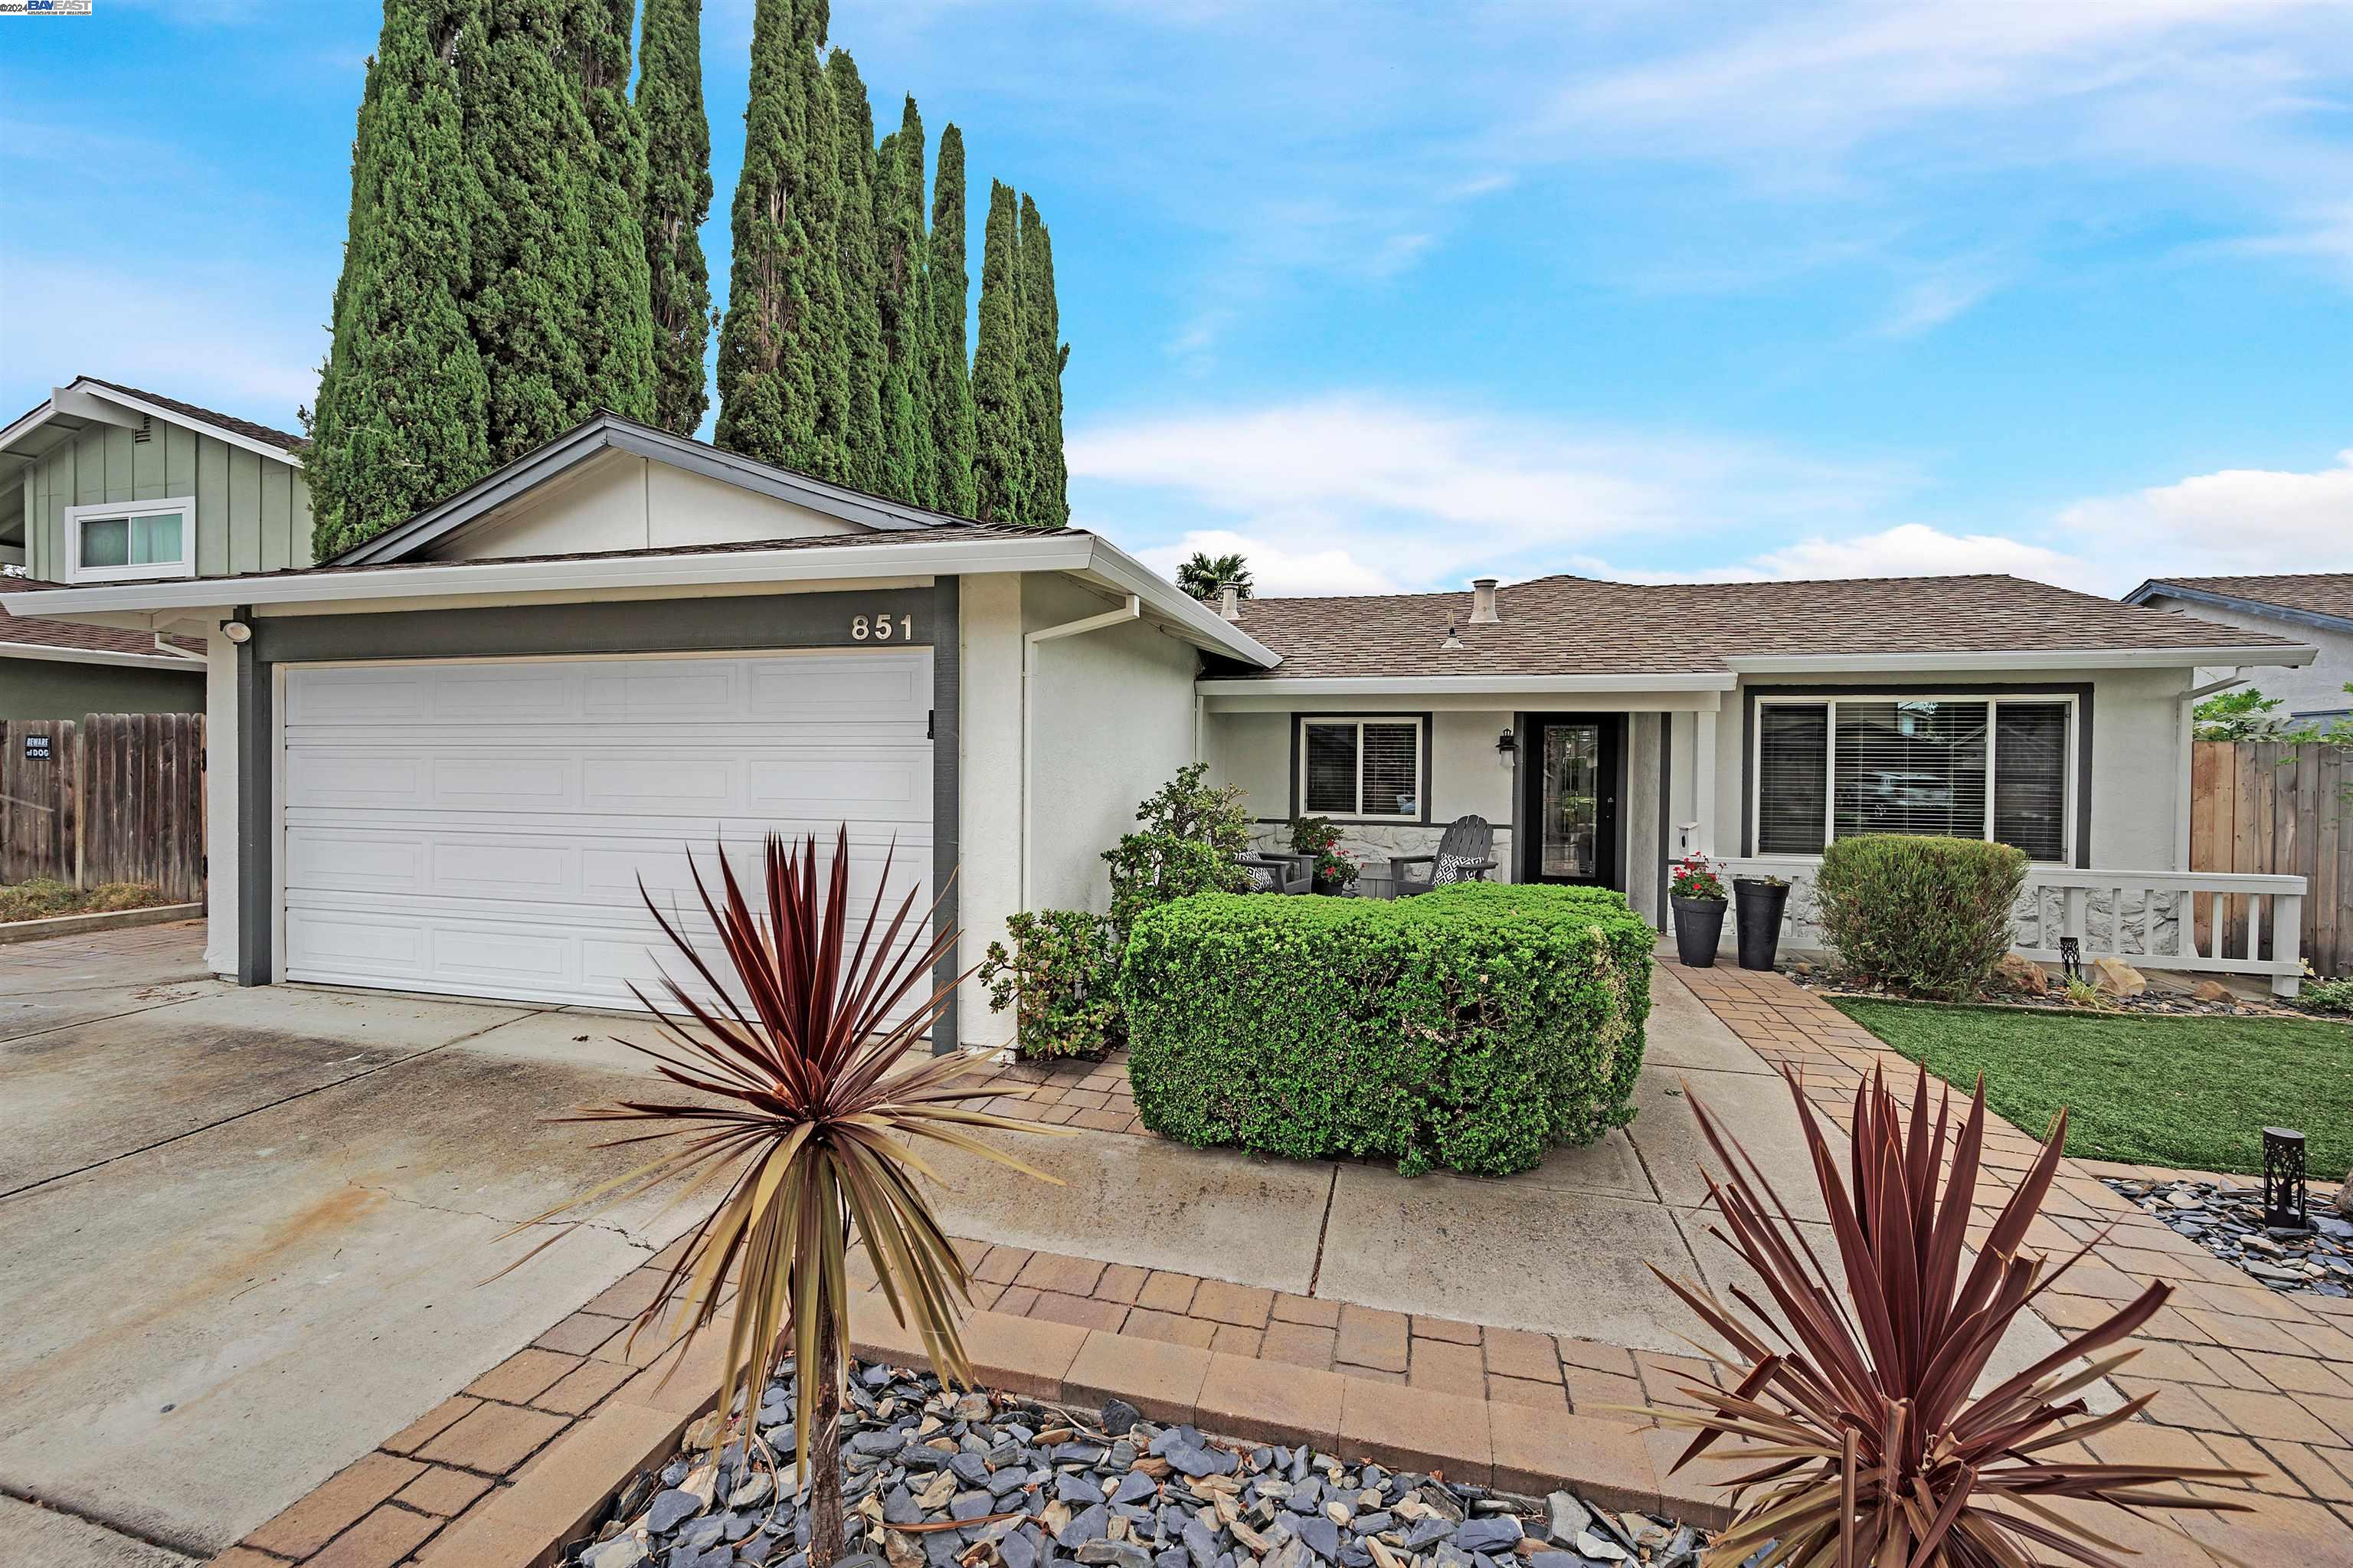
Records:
x=245, y=1231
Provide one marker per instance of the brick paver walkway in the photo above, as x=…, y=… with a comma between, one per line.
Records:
x=2242, y=1375
x=2245, y=1377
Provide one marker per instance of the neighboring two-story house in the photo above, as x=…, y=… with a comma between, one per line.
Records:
x=2311, y=607
x=107, y=483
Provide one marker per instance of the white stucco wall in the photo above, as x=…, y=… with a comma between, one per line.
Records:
x=1111, y=713
x=2317, y=688
x=2136, y=758
x=1111, y=720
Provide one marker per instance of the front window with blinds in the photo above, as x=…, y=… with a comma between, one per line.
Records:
x=1360, y=767
x=1979, y=768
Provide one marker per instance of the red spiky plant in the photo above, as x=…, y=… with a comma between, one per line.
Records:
x=805, y=1124
x=1866, y=1445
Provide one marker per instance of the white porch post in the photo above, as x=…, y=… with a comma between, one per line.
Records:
x=1704, y=780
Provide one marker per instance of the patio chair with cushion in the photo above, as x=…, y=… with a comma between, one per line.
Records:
x=1464, y=855
x=1279, y=873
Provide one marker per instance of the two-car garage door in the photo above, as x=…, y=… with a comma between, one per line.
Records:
x=479, y=828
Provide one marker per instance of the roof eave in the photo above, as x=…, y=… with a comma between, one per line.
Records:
x=1064, y=551
x=2030, y=659
x=84, y=387
x=1459, y=685
x=2296, y=615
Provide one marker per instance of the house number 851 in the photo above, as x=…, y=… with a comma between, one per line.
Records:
x=882, y=630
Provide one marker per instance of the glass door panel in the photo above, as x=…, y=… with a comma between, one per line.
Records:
x=1570, y=805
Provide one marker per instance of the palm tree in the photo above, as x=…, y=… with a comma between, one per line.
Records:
x=1205, y=574
x=807, y=1114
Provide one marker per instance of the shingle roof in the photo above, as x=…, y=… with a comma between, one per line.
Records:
x=1582, y=626
x=2321, y=593
x=82, y=639
x=283, y=439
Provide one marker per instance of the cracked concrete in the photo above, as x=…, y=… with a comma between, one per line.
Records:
x=250, y=1233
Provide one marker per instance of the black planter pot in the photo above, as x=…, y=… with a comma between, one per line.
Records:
x=1699, y=927
x=1761, y=903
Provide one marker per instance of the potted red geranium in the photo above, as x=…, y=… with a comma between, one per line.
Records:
x=1697, y=894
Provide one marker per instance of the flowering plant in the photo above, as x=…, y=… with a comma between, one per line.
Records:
x=1695, y=877
x=1334, y=867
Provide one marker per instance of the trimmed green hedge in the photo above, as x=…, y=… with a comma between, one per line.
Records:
x=1470, y=1028
x=1928, y=917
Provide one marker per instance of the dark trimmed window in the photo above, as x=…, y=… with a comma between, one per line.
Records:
x=1360, y=767
x=1979, y=768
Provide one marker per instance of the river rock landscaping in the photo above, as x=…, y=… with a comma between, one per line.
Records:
x=934, y=1478
x=2228, y=1222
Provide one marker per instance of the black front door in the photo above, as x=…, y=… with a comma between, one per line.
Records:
x=1568, y=797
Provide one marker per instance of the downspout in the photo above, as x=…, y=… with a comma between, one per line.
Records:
x=2186, y=733
x=1132, y=610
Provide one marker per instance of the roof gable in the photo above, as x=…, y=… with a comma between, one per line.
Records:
x=574, y=455
x=2324, y=600
x=86, y=400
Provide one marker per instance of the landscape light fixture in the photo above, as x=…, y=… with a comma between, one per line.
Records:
x=2071, y=960
x=2283, y=1189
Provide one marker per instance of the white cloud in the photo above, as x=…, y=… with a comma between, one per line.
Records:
x=1381, y=492
x=1906, y=550
x=1275, y=570
x=2234, y=520
x=1932, y=302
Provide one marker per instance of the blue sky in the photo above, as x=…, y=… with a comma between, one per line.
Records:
x=1390, y=296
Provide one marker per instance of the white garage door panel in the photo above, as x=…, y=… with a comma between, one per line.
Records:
x=481, y=828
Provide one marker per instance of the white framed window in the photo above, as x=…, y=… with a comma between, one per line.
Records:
x=1366, y=769
x=127, y=541
x=1997, y=767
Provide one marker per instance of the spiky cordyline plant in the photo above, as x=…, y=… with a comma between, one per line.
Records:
x=1868, y=1449
x=808, y=1110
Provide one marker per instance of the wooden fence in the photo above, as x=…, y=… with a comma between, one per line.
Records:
x=114, y=798
x=2283, y=810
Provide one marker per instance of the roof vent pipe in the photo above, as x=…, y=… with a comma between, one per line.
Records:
x=1230, y=601
x=1483, y=601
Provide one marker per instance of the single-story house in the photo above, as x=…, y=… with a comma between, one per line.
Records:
x=105, y=483
x=444, y=760
x=2310, y=607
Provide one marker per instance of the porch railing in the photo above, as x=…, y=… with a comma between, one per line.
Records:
x=2150, y=919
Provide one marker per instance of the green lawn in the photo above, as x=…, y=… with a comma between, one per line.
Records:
x=2152, y=1090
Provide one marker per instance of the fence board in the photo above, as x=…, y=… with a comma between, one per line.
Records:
x=2288, y=810
x=121, y=799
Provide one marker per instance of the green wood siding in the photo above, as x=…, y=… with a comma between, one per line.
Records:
x=253, y=513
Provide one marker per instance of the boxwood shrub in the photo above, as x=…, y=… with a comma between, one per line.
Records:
x=1928, y=917
x=1470, y=1028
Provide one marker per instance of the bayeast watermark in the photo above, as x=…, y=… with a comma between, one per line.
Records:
x=45, y=7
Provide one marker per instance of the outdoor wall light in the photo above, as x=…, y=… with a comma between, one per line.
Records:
x=1506, y=744
x=2283, y=1189
x=236, y=632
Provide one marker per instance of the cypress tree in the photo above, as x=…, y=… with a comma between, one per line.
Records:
x=864, y=455
x=1043, y=354
x=948, y=280
x=782, y=284
x=911, y=463
x=678, y=199
x=563, y=316
x=1001, y=449
x=400, y=417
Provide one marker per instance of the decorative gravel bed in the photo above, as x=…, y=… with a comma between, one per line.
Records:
x=939, y=1480
x=2228, y=1222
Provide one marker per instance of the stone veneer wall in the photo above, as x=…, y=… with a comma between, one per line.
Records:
x=1370, y=843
